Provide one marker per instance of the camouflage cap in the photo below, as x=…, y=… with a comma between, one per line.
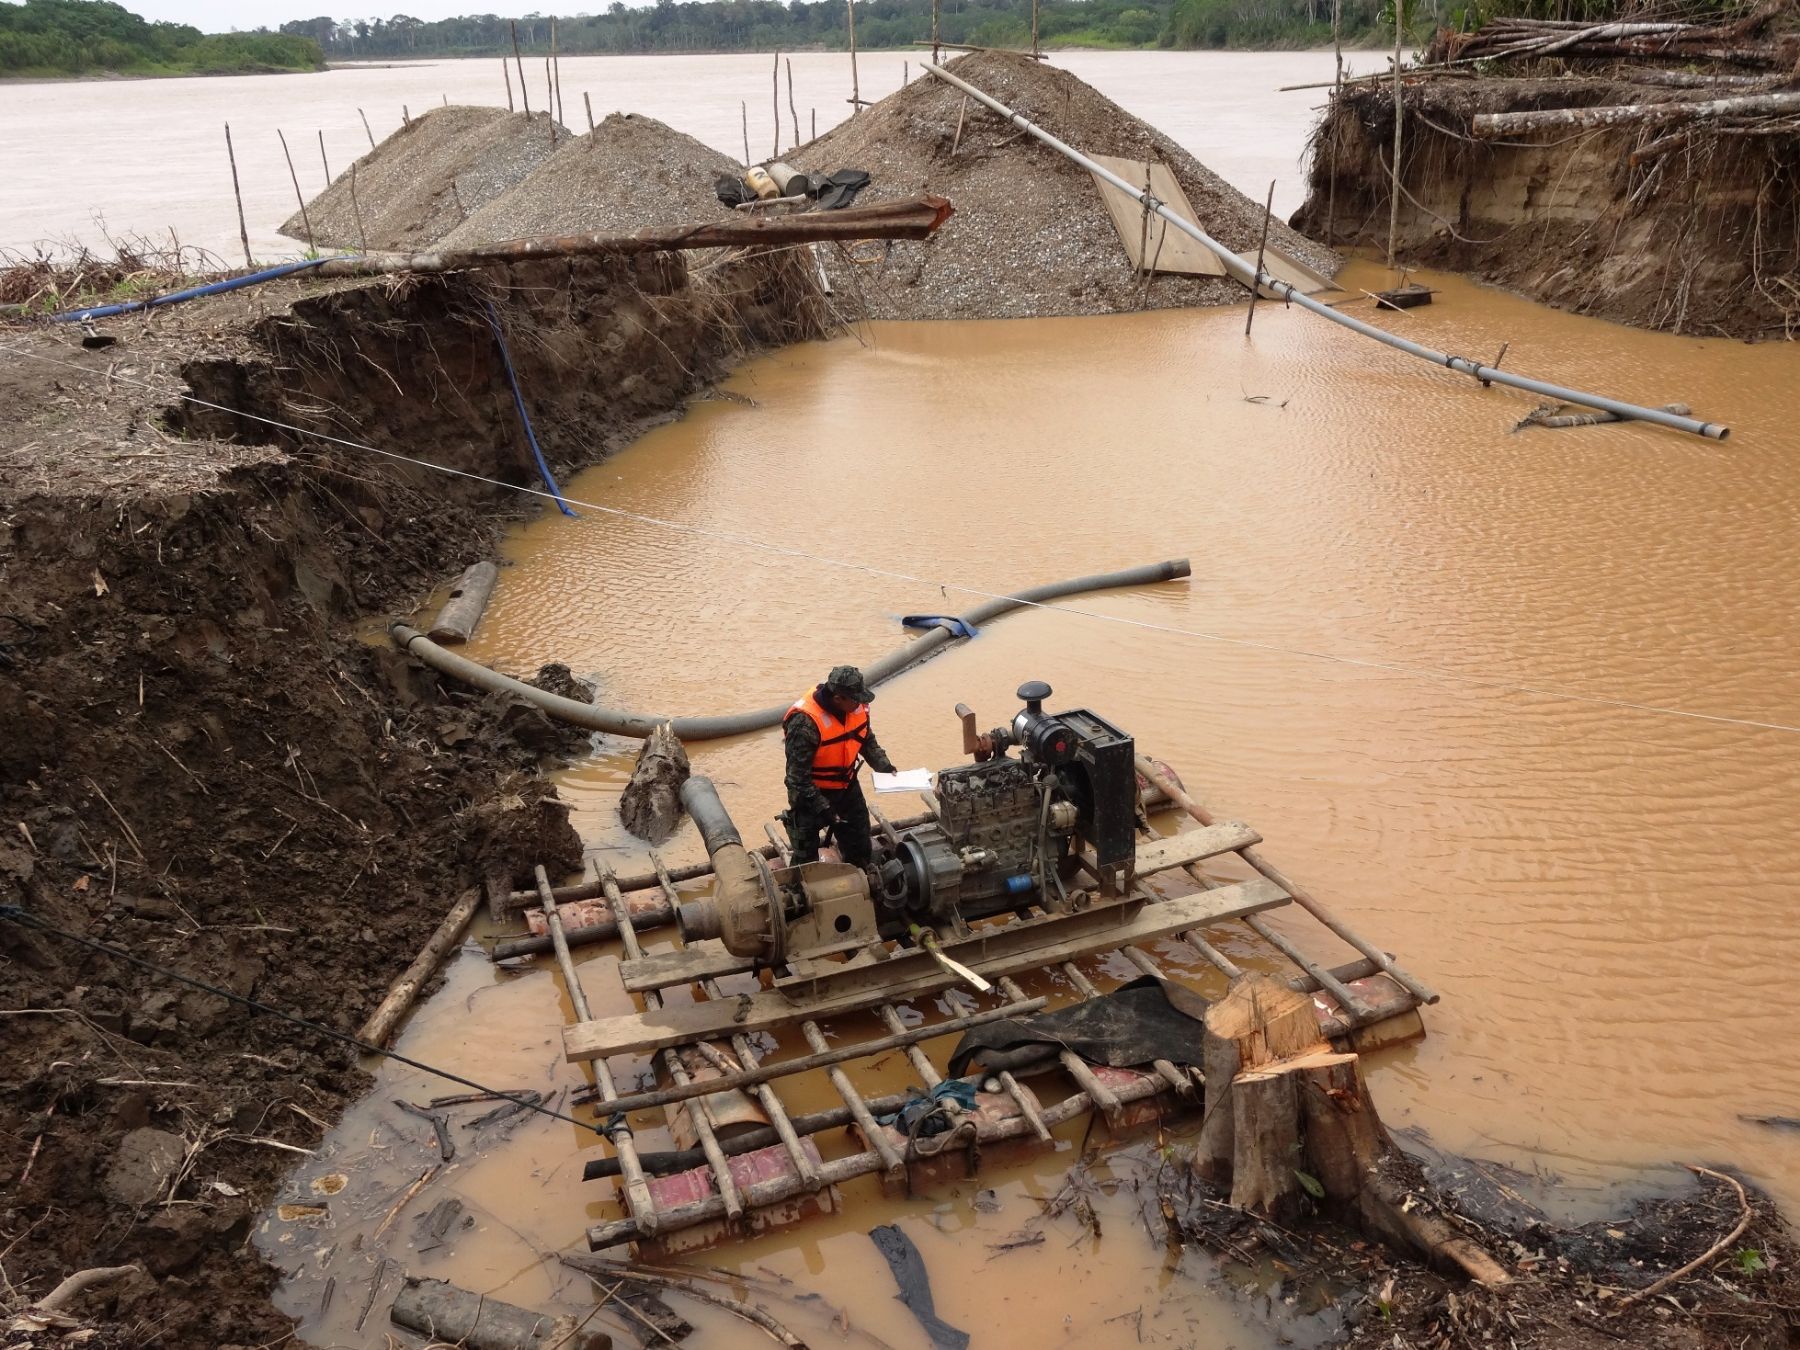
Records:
x=848, y=681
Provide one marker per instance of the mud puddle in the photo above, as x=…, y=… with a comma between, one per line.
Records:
x=1581, y=879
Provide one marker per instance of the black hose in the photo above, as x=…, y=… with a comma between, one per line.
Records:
x=701, y=800
x=736, y=724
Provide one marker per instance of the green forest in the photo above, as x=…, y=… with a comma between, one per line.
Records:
x=42, y=38
x=769, y=25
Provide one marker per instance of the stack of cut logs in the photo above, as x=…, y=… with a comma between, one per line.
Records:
x=1745, y=43
x=1290, y=1126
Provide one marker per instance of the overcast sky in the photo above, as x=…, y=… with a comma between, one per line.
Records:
x=221, y=16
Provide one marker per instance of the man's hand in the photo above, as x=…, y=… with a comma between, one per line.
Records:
x=883, y=765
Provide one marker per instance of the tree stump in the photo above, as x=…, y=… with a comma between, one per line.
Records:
x=1290, y=1125
x=468, y=600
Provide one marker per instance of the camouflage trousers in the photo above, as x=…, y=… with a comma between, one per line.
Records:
x=847, y=818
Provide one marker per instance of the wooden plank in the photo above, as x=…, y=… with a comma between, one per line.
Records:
x=994, y=952
x=710, y=960
x=1179, y=253
x=1192, y=846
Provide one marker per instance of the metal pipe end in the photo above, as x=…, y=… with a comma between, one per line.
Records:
x=697, y=920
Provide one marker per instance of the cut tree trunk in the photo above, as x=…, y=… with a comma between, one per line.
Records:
x=468, y=599
x=444, y=1313
x=1623, y=114
x=650, y=806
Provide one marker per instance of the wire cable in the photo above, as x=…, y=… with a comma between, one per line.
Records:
x=29, y=920
x=868, y=569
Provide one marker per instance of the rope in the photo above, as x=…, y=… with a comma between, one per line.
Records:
x=19, y=916
x=787, y=551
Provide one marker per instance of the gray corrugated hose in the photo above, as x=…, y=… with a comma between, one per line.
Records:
x=736, y=724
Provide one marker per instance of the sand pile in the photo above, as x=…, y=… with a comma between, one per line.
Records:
x=421, y=182
x=628, y=173
x=1031, y=235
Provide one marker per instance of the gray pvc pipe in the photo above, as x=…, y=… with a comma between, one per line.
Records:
x=736, y=724
x=1243, y=272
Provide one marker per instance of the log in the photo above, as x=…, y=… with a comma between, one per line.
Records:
x=444, y=1313
x=404, y=990
x=910, y=218
x=1219, y=1066
x=468, y=599
x=650, y=805
x=1390, y=1211
x=1488, y=125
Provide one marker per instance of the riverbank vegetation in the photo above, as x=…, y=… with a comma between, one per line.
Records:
x=48, y=38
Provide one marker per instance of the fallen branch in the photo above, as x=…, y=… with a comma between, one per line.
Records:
x=598, y=1268
x=1708, y=1255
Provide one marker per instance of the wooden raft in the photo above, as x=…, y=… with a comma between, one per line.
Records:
x=785, y=1169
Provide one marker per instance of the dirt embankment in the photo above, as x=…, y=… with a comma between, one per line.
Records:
x=204, y=765
x=1699, y=235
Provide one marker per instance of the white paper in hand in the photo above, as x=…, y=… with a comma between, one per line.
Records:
x=906, y=780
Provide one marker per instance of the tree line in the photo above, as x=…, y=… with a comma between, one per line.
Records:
x=79, y=37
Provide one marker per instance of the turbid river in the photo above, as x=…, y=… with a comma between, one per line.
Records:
x=1493, y=694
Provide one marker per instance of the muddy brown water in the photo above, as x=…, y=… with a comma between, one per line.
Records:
x=1603, y=894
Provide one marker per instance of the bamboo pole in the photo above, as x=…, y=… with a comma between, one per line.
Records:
x=323, y=160
x=238, y=193
x=1268, y=215
x=793, y=112
x=306, y=220
x=855, y=91
x=506, y=74
x=1394, y=186
x=524, y=93
x=365, y=121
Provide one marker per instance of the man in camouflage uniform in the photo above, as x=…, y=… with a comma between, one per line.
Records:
x=827, y=736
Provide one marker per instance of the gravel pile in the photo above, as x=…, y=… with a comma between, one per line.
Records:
x=420, y=183
x=1030, y=236
x=630, y=172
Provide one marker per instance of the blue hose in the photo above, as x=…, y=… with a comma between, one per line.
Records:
x=524, y=417
x=192, y=293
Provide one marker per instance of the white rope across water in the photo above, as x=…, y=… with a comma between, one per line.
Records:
x=869, y=569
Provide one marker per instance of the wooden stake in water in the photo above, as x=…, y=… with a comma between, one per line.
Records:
x=590, y=110
x=323, y=160
x=1394, y=184
x=362, y=235
x=370, y=134
x=506, y=74
x=793, y=112
x=775, y=104
x=556, y=70
x=306, y=220
x=237, y=192
x=855, y=92
x=1261, y=248
x=744, y=109
x=524, y=93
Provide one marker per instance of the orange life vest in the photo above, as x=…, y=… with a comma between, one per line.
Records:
x=840, y=742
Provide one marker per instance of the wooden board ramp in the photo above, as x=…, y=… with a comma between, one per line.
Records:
x=818, y=1009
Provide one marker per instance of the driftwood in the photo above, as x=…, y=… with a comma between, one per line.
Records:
x=650, y=805
x=468, y=599
x=454, y=1316
x=1526, y=39
x=912, y=218
x=603, y=1272
x=1549, y=416
x=404, y=990
x=1634, y=114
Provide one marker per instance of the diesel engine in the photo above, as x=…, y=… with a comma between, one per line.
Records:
x=1049, y=796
